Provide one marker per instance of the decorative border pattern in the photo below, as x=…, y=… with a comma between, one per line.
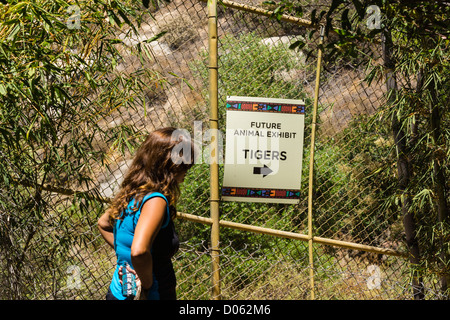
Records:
x=265, y=107
x=261, y=193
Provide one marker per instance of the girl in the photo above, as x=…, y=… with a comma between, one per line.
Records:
x=138, y=224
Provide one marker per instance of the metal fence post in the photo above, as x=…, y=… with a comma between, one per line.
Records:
x=311, y=165
x=214, y=165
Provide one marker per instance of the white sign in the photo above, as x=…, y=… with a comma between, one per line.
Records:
x=264, y=150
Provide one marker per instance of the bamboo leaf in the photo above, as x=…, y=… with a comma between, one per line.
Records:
x=155, y=37
x=13, y=33
x=299, y=44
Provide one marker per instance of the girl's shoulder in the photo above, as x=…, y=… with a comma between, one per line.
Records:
x=132, y=212
x=147, y=197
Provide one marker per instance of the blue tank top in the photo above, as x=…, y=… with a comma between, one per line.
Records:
x=164, y=247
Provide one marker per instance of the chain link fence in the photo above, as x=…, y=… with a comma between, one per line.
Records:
x=50, y=245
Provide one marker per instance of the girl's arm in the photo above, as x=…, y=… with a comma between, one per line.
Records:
x=147, y=227
x=106, y=230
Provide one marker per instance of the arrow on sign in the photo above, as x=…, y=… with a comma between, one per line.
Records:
x=262, y=170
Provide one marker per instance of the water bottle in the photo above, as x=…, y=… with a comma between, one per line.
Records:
x=128, y=283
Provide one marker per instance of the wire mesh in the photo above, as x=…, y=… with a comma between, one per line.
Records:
x=50, y=246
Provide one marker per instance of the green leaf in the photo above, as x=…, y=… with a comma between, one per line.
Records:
x=345, y=22
x=299, y=44
x=334, y=6
x=156, y=37
x=13, y=32
x=113, y=41
x=359, y=8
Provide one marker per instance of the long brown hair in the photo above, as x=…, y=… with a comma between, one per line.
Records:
x=153, y=169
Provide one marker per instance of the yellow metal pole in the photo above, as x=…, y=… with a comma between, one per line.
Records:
x=214, y=157
x=311, y=166
x=292, y=235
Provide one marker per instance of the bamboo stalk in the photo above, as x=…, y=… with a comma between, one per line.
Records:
x=267, y=13
x=291, y=235
x=214, y=161
x=92, y=193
